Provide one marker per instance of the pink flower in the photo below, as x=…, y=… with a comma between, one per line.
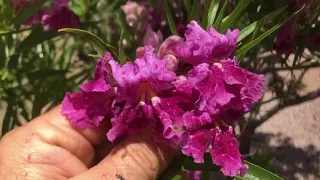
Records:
x=206, y=46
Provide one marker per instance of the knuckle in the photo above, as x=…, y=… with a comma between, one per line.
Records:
x=140, y=158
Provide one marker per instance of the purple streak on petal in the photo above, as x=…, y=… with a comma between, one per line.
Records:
x=225, y=153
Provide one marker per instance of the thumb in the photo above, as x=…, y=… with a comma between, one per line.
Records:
x=138, y=157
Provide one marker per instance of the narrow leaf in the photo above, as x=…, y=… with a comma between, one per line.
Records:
x=214, y=6
x=204, y=23
x=255, y=172
x=195, y=10
x=95, y=40
x=188, y=7
x=170, y=18
x=37, y=36
x=249, y=29
x=229, y=20
x=251, y=44
x=217, y=23
x=122, y=56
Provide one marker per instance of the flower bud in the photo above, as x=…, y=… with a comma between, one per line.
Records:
x=172, y=62
x=167, y=46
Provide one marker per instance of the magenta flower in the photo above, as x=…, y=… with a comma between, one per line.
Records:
x=145, y=98
x=204, y=133
x=206, y=46
x=89, y=107
x=285, y=41
x=60, y=17
x=225, y=153
x=195, y=110
x=223, y=87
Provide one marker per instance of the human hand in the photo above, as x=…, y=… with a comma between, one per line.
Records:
x=50, y=148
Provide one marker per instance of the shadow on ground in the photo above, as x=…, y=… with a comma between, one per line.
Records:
x=291, y=162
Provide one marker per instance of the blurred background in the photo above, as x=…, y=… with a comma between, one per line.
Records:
x=279, y=38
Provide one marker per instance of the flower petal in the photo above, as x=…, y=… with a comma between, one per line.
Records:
x=197, y=144
x=251, y=85
x=202, y=46
x=225, y=153
x=130, y=120
x=86, y=110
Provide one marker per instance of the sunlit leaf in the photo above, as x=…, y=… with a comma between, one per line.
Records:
x=213, y=9
x=95, y=40
x=170, y=18
x=249, y=29
x=229, y=20
x=253, y=43
x=256, y=173
x=218, y=21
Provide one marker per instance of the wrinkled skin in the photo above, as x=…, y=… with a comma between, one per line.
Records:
x=50, y=148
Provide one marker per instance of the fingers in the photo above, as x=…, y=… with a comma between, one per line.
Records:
x=138, y=157
x=49, y=143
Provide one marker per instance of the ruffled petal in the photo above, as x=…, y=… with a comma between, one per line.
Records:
x=225, y=153
x=214, y=94
x=129, y=121
x=250, y=85
x=103, y=79
x=197, y=144
x=86, y=110
x=197, y=120
x=206, y=46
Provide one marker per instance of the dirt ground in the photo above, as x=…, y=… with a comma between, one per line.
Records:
x=294, y=136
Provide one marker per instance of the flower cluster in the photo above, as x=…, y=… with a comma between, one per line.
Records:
x=57, y=17
x=190, y=94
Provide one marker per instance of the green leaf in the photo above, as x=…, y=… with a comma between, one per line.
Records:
x=122, y=55
x=95, y=40
x=213, y=9
x=229, y=20
x=170, y=18
x=7, y=13
x=188, y=7
x=28, y=11
x=37, y=36
x=123, y=25
x=194, y=15
x=249, y=29
x=46, y=73
x=251, y=44
x=256, y=173
x=79, y=7
x=217, y=23
x=205, y=14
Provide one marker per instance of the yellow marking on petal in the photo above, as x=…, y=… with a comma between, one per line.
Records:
x=219, y=65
